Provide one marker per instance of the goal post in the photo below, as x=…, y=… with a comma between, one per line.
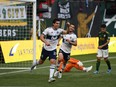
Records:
x=34, y=31
x=34, y=27
x=19, y=32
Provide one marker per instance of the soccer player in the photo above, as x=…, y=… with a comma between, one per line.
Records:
x=104, y=40
x=68, y=40
x=72, y=62
x=50, y=38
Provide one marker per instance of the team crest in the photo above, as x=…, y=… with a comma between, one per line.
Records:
x=57, y=32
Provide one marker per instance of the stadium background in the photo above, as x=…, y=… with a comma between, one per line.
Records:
x=22, y=32
x=16, y=74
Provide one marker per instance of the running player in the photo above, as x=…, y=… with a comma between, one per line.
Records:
x=50, y=38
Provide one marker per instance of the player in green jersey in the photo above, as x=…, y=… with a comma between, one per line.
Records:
x=104, y=40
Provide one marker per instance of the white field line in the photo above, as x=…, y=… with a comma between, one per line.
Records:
x=95, y=59
x=15, y=86
x=21, y=70
x=45, y=67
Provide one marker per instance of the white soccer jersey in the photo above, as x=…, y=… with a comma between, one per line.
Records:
x=52, y=36
x=66, y=47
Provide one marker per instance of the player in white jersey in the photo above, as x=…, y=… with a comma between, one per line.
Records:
x=69, y=39
x=50, y=38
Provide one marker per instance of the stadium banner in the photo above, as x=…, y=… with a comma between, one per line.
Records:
x=18, y=51
x=85, y=46
x=13, y=16
x=64, y=10
x=112, y=44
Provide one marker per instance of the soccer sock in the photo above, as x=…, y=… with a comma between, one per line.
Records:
x=108, y=64
x=97, y=65
x=52, y=69
x=37, y=63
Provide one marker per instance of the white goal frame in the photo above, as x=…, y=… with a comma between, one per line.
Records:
x=34, y=27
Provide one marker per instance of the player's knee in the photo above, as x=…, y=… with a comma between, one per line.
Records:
x=52, y=61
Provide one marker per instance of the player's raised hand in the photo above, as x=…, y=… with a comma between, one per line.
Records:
x=68, y=24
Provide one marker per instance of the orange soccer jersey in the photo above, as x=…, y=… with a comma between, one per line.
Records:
x=72, y=63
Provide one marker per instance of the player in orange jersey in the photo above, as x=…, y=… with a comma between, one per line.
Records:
x=72, y=62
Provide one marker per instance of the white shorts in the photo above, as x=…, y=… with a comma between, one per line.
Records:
x=102, y=53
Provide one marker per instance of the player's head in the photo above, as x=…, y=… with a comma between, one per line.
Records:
x=71, y=28
x=103, y=28
x=56, y=23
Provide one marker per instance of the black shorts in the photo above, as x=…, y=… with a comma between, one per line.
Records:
x=50, y=54
x=66, y=56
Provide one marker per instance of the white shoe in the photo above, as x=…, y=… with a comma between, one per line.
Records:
x=89, y=68
x=109, y=71
x=33, y=66
x=96, y=72
x=56, y=74
x=60, y=75
x=51, y=80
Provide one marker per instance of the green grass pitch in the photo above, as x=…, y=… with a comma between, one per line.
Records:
x=75, y=78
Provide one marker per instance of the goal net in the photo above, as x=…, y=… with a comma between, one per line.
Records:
x=17, y=28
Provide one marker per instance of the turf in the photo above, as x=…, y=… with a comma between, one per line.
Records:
x=75, y=78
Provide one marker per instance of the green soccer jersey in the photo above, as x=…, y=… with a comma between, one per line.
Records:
x=103, y=37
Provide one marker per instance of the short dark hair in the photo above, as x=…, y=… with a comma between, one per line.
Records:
x=54, y=21
x=103, y=26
